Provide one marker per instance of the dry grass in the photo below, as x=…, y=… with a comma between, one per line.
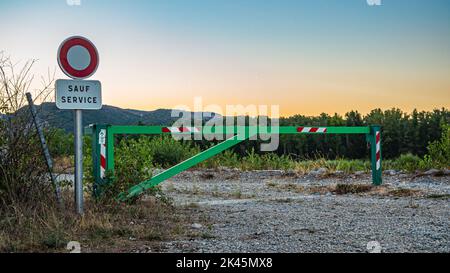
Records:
x=344, y=189
x=403, y=193
x=207, y=176
x=63, y=165
x=291, y=187
x=352, y=189
x=103, y=228
x=439, y=196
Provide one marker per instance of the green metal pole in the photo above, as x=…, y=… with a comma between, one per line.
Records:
x=376, y=154
x=99, y=138
x=110, y=136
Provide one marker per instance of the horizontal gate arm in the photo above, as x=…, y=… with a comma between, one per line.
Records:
x=136, y=130
x=291, y=130
x=233, y=130
x=158, y=179
x=206, y=130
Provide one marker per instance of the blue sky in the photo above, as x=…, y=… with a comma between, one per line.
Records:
x=342, y=54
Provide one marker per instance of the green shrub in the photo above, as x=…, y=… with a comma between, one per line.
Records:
x=268, y=161
x=352, y=166
x=226, y=159
x=133, y=164
x=438, y=152
x=135, y=160
x=59, y=142
x=166, y=151
x=24, y=176
x=407, y=162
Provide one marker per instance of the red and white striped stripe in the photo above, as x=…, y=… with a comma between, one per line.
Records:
x=102, y=160
x=317, y=130
x=179, y=130
x=378, y=152
x=102, y=142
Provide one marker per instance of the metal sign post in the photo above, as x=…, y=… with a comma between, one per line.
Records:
x=78, y=58
x=79, y=161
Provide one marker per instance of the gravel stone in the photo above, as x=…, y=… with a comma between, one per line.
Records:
x=197, y=226
x=276, y=212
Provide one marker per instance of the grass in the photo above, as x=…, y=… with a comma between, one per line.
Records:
x=406, y=163
x=270, y=161
x=342, y=189
x=237, y=194
x=215, y=191
x=171, y=187
x=153, y=236
x=193, y=205
x=291, y=187
x=345, y=189
x=46, y=229
x=207, y=236
x=207, y=176
x=403, y=192
x=439, y=196
x=63, y=164
x=339, y=189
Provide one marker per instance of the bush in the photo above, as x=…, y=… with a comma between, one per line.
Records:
x=135, y=160
x=352, y=166
x=166, y=151
x=24, y=178
x=226, y=159
x=408, y=163
x=438, y=152
x=60, y=143
x=133, y=164
x=268, y=161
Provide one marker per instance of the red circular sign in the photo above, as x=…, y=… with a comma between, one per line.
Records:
x=78, y=57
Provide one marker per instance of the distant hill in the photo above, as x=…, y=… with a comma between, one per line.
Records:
x=108, y=115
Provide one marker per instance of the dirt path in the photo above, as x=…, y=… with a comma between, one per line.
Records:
x=274, y=211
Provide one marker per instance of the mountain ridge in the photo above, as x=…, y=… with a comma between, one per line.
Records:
x=63, y=119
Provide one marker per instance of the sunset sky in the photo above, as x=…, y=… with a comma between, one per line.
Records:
x=308, y=56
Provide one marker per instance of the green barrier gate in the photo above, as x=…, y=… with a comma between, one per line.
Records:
x=104, y=136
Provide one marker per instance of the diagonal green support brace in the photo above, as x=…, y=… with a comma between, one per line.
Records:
x=158, y=179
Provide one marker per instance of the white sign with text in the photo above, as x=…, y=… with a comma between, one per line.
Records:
x=78, y=95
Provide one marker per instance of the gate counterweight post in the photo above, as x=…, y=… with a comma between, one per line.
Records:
x=376, y=155
x=99, y=157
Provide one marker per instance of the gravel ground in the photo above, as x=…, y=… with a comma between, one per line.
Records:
x=275, y=211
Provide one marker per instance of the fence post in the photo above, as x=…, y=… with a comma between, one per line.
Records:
x=48, y=159
x=376, y=156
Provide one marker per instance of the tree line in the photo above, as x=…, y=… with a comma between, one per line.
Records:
x=403, y=133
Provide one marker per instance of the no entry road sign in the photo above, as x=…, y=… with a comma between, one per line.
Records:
x=78, y=95
x=78, y=58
